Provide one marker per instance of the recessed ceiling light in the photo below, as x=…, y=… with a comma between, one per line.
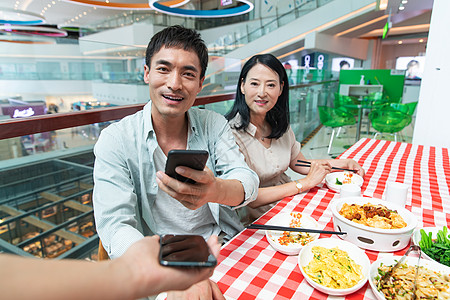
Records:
x=84, y=13
x=400, y=42
x=404, y=1
x=421, y=41
x=401, y=7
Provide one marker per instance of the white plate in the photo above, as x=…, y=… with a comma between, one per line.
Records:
x=392, y=260
x=330, y=180
x=416, y=237
x=284, y=219
x=355, y=253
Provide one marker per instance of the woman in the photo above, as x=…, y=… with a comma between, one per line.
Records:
x=259, y=120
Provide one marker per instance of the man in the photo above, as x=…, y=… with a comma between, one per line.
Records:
x=133, y=197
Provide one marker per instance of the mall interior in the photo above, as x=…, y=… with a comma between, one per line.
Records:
x=69, y=68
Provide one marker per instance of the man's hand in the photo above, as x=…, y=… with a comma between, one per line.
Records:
x=204, y=290
x=206, y=189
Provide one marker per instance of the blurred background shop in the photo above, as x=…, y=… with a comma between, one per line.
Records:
x=70, y=68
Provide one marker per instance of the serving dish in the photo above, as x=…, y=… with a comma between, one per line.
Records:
x=416, y=237
x=284, y=219
x=384, y=240
x=392, y=260
x=330, y=180
x=355, y=253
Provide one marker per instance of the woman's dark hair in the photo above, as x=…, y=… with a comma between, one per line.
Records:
x=278, y=116
x=178, y=37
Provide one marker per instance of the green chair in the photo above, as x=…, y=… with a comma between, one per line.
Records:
x=334, y=118
x=389, y=120
x=346, y=103
x=411, y=107
x=400, y=107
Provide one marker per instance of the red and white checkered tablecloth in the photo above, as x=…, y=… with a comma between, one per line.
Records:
x=249, y=268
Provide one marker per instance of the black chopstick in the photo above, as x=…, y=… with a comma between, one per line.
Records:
x=281, y=228
x=305, y=163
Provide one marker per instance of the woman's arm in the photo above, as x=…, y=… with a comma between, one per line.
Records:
x=315, y=174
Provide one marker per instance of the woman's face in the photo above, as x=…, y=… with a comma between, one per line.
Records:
x=261, y=89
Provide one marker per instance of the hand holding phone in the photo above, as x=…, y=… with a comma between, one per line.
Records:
x=194, y=159
x=185, y=251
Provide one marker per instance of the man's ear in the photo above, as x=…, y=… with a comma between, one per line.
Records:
x=146, y=73
x=200, y=87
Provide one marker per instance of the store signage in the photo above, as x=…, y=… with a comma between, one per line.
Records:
x=23, y=113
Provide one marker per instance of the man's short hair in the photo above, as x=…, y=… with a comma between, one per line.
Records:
x=178, y=37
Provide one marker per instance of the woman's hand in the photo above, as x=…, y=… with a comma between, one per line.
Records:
x=349, y=164
x=317, y=172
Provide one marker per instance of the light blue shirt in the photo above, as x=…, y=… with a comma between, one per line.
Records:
x=125, y=185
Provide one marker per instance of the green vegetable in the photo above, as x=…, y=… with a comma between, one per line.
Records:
x=439, y=249
x=338, y=182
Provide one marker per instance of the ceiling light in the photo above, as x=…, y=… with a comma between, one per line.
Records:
x=85, y=13
x=49, y=5
x=421, y=41
x=400, y=42
x=404, y=1
x=53, y=2
x=401, y=7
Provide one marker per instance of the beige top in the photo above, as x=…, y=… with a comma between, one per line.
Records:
x=269, y=163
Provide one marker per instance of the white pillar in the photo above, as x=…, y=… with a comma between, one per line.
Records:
x=432, y=127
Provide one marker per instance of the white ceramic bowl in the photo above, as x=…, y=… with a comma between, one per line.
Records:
x=284, y=219
x=384, y=240
x=392, y=260
x=416, y=237
x=358, y=255
x=330, y=180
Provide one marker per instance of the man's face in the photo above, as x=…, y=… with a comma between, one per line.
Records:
x=174, y=81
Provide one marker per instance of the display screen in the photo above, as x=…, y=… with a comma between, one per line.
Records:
x=185, y=251
x=413, y=66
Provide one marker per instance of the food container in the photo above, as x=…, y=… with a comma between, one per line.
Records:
x=330, y=180
x=416, y=237
x=356, y=254
x=384, y=240
x=392, y=260
x=284, y=219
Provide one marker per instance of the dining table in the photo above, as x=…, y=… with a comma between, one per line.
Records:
x=249, y=268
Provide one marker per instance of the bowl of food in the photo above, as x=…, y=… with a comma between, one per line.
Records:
x=334, y=266
x=335, y=180
x=372, y=223
x=433, y=281
x=290, y=242
x=434, y=242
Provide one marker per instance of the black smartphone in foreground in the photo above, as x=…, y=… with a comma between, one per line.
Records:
x=185, y=251
x=194, y=159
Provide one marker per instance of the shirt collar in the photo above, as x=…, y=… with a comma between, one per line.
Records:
x=237, y=120
x=148, y=125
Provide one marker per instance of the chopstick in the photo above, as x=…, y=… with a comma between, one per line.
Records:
x=281, y=228
x=305, y=163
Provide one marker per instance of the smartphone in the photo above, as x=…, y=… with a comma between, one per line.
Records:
x=194, y=159
x=185, y=251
